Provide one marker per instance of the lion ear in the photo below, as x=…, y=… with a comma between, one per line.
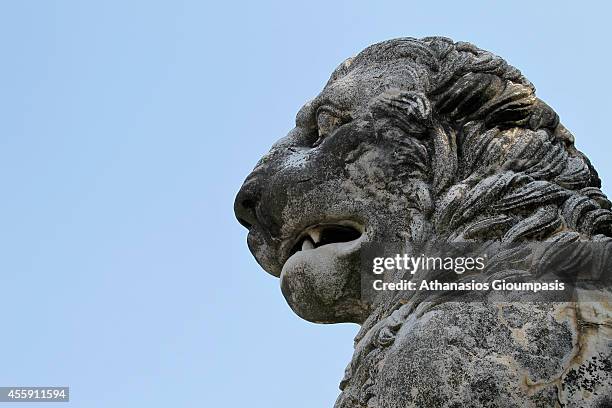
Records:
x=408, y=110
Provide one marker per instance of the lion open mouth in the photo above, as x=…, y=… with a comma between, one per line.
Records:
x=326, y=234
x=320, y=279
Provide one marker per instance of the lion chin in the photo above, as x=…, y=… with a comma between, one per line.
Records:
x=414, y=141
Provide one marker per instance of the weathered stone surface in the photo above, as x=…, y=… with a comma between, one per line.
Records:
x=418, y=140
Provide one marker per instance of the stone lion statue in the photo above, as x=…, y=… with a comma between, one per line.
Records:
x=415, y=140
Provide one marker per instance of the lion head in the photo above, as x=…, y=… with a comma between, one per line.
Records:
x=412, y=140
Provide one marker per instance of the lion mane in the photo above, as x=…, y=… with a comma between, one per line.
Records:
x=500, y=165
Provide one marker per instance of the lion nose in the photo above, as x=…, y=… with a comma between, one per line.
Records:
x=245, y=205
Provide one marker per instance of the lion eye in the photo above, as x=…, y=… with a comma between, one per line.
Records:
x=327, y=123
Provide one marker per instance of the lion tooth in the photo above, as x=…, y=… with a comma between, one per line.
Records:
x=315, y=235
x=307, y=244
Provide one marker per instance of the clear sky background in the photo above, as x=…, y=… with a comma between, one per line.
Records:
x=127, y=127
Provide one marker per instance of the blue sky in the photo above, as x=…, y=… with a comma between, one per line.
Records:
x=126, y=129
